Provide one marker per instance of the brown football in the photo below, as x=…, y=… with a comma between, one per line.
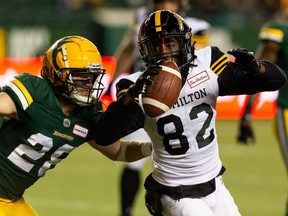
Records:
x=163, y=93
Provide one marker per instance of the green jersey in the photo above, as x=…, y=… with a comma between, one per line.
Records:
x=41, y=137
x=278, y=31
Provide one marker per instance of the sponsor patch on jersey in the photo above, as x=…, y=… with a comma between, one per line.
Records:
x=80, y=131
x=198, y=79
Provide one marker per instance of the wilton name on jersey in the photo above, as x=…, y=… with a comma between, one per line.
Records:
x=190, y=98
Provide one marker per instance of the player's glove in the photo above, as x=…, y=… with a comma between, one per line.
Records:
x=153, y=202
x=246, y=134
x=143, y=81
x=245, y=60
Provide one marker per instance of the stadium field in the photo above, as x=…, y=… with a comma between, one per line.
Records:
x=86, y=183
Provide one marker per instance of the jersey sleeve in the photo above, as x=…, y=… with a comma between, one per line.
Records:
x=219, y=60
x=26, y=89
x=20, y=89
x=233, y=81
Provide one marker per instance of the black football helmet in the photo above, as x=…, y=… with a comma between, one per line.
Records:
x=165, y=34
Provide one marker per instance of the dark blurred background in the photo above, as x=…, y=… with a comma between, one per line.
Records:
x=28, y=27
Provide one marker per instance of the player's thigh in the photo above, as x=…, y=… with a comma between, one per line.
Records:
x=185, y=207
x=224, y=202
x=25, y=209
x=16, y=208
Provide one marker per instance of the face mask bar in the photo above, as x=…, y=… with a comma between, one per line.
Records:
x=157, y=48
x=85, y=85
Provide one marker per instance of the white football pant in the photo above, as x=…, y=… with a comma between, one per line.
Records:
x=218, y=203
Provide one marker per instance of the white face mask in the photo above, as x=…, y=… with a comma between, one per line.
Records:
x=83, y=88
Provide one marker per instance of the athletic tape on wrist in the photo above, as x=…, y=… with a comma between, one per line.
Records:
x=122, y=152
x=146, y=148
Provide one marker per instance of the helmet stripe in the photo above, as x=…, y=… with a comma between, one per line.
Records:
x=22, y=93
x=158, y=21
x=65, y=58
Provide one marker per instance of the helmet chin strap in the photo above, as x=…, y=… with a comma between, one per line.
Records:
x=185, y=68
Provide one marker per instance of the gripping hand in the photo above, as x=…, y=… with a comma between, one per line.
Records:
x=245, y=60
x=246, y=134
x=143, y=81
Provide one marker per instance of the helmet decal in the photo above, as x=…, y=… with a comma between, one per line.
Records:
x=181, y=27
x=60, y=48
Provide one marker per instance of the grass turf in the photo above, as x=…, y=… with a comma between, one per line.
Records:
x=87, y=183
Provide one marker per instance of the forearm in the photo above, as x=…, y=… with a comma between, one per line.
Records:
x=233, y=81
x=124, y=151
x=134, y=150
x=118, y=121
x=271, y=77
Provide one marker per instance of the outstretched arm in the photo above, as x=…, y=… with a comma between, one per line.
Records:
x=248, y=76
x=126, y=151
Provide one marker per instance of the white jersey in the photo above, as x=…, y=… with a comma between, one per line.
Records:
x=188, y=154
x=193, y=158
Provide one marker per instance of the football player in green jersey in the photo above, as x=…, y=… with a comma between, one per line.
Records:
x=50, y=117
x=273, y=46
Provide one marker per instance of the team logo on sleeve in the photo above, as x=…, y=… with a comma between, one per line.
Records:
x=198, y=79
x=80, y=131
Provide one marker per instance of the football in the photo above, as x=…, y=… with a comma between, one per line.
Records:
x=163, y=93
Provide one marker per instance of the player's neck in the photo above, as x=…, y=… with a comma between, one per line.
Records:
x=67, y=105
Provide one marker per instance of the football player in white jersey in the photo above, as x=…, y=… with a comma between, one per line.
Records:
x=187, y=170
x=129, y=59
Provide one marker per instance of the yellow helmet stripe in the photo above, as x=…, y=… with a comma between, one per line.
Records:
x=158, y=21
x=22, y=93
x=65, y=59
